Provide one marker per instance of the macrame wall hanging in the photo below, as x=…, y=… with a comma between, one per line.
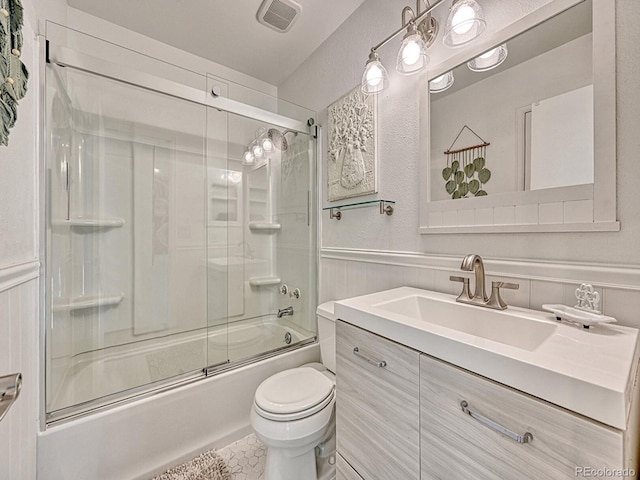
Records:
x=466, y=172
x=13, y=73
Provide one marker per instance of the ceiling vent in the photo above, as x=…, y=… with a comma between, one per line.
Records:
x=279, y=14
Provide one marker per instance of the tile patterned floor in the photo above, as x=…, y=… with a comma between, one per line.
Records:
x=245, y=458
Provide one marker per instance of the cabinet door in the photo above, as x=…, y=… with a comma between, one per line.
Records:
x=377, y=407
x=458, y=446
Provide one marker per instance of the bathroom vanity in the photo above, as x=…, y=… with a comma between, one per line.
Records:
x=428, y=388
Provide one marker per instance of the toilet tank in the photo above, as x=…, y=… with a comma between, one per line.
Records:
x=327, y=335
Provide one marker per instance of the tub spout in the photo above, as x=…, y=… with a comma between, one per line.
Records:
x=285, y=311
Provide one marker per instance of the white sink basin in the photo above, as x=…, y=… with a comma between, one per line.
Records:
x=590, y=372
x=504, y=326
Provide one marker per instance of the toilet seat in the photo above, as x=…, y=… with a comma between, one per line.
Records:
x=294, y=394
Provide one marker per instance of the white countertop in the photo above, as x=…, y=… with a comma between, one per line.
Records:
x=590, y=372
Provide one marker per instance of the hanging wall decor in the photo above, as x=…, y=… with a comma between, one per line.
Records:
x=466, y=172
x=351, y=169
x=13, y=73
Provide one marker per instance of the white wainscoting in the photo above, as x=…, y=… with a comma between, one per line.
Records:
x=346, y=273
x=19, y=353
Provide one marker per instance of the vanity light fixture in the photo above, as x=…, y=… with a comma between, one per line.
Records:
x=264, y=143
x=412, y=56
x=375, y=77
x=464, y=23
x=489, y=60
x=441, y=83
x=420, y=32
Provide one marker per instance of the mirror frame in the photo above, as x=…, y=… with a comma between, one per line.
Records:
x=579, y=208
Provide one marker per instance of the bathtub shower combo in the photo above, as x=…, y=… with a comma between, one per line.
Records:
x=180, y=229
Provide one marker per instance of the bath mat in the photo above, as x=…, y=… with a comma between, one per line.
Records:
x=206, y=466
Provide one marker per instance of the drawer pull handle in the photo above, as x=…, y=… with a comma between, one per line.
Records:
x=380, y=364
x=526, y=438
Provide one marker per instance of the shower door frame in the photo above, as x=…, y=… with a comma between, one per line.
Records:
x=68, y=58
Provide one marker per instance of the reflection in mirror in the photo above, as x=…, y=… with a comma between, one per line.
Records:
x=534, y=108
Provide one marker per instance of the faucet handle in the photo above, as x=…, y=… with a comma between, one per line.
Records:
x=464, y=295
x=454, y=278
x=510, y=286
x=496, y=301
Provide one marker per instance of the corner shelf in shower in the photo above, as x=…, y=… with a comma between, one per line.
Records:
x=264, y=227
x=106, y=222
x=264, y=281
x=386, y=206
x=87, y=301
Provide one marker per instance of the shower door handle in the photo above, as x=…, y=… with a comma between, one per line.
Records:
x=10, y=386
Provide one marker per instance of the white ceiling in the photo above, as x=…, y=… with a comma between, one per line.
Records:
x=227, y=31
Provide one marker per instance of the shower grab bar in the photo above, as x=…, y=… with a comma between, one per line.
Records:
x=66, y=57
x=10, y=386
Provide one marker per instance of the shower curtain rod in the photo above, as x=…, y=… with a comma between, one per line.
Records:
x=65, y=57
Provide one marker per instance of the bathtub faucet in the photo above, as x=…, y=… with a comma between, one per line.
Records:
x=285, y=311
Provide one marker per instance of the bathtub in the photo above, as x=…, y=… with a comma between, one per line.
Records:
x=101, y=374
x=141, y=438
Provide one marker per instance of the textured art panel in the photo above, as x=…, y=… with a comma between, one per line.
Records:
x=352, y=162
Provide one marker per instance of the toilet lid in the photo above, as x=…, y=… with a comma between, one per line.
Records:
x=292, y=391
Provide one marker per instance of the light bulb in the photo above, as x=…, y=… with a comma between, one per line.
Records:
x=489, y=54
x=374, y=78
x=411, y=53
x=257, y=151
x=489, y=60
x=465, y=23
x=412, y=56
x=462, y=19
x=248, y=157
x=374, y=75
x=267, y=144
x=441, y=83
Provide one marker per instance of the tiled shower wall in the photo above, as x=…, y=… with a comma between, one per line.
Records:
x=348, y=273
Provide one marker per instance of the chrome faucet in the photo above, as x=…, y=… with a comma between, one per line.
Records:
x=474, y=263
x=285, y=311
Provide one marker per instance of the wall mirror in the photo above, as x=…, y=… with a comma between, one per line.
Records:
x=529, y=144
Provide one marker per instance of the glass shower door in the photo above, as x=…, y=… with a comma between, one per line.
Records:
x=269, y=186
x=169, y=250
x=126, y=240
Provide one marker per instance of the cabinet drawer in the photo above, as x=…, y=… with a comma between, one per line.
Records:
x=344, y=470
x=377, y=408
x=456, y=445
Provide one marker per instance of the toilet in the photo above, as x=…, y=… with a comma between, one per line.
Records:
x=293, y=413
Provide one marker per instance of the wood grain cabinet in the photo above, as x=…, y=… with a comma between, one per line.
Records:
x=344, y=471
x=537, y=440
x=404, y=415
x=377, y=406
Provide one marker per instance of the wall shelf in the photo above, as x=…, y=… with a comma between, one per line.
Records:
x=264, y=227
x=106, y=222
x=264, y=281
x=87, y=301
x=386, y=206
